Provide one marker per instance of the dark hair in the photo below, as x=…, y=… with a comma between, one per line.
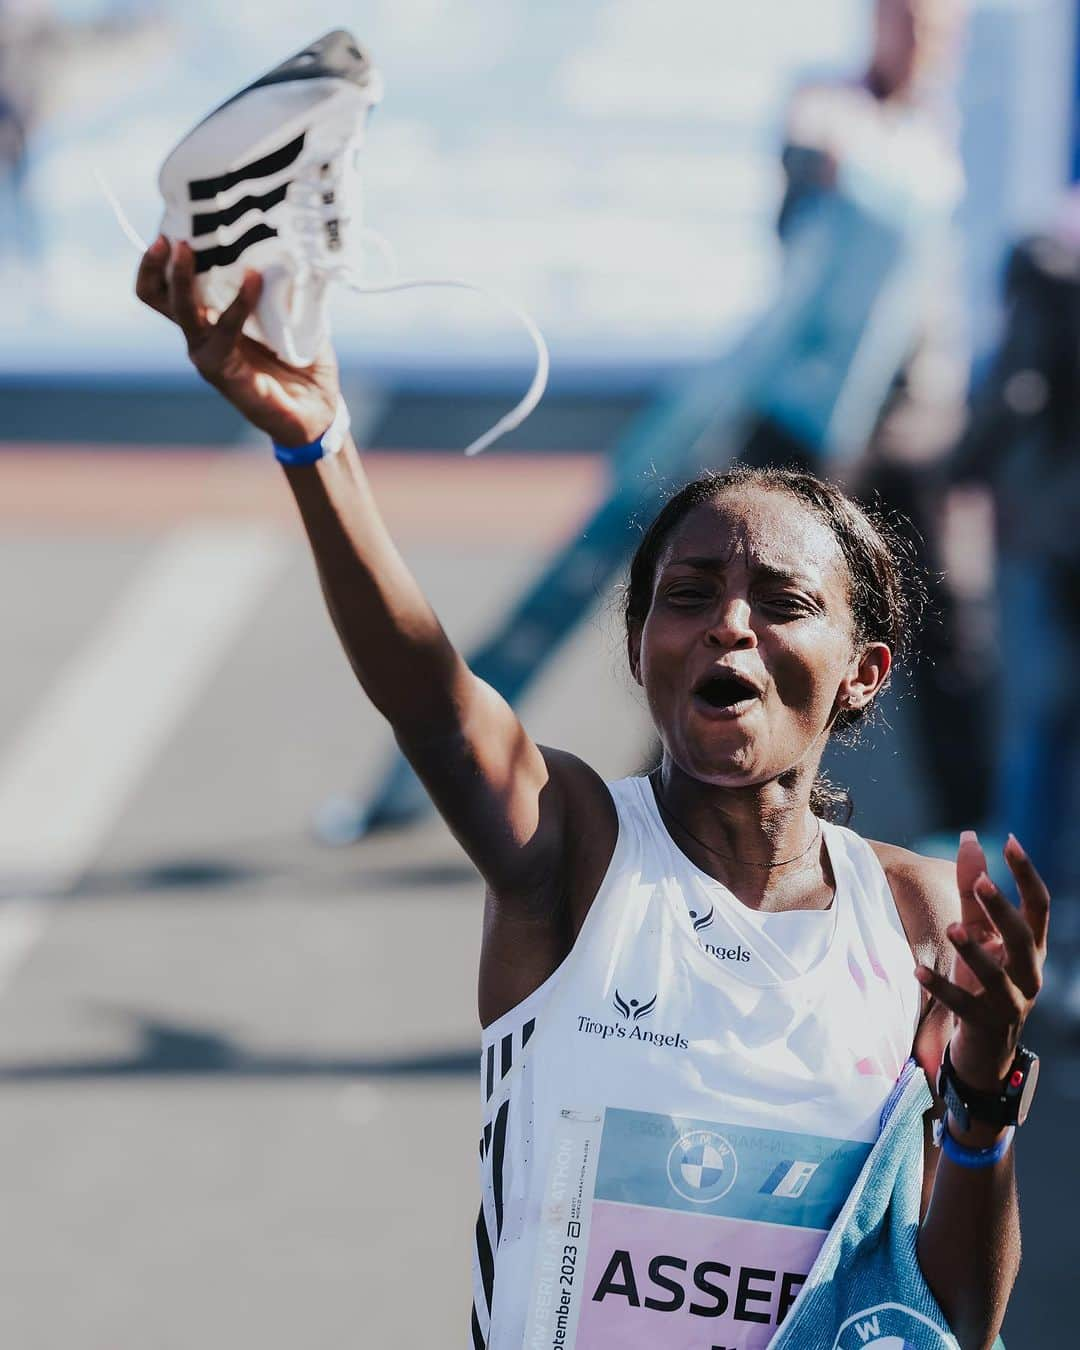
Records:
x=887, y=591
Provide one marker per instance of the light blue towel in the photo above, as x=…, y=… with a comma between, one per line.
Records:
x=865, y=1289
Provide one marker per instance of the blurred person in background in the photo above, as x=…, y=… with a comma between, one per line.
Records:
x=1024, y=440
x=874, y=386
x=25, y=39
x=47, y=61
x=857, y=368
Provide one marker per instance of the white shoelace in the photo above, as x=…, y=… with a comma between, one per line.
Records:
x=341, y=272
x=535, y=391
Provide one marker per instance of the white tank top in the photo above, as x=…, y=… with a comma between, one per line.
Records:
x=673, y=1120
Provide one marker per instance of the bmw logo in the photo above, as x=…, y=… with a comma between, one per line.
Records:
x=702, y=1167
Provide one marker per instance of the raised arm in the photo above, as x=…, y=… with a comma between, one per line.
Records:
x=964, y=928
x=509, y=803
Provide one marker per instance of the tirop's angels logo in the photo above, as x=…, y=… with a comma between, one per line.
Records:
x=633, y=1010
x=702, y=921
x=891, y=1326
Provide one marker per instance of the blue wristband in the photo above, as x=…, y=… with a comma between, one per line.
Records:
x=973, y=1157
x=329, y=443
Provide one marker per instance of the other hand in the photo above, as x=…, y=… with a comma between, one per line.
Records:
x=293, y=405
x=1000, y=951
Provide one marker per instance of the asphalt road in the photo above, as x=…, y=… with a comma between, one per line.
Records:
x=237, y=1069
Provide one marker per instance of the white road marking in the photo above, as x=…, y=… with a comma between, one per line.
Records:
x=110, y=712
x=361, y=1103
x=21, y=924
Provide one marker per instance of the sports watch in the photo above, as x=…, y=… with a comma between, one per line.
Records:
x=1010, y=1106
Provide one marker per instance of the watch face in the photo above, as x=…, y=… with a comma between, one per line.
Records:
x=1028, y=1091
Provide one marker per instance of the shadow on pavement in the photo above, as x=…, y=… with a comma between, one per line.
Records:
x=210, y=873
x=168, y=1049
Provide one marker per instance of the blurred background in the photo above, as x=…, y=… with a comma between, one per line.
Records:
x=237, y=956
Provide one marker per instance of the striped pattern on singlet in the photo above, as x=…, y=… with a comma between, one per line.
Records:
x=499, y=1055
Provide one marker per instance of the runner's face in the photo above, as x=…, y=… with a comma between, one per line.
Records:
x=755, y=582
x=896, y=41
x=914, y=37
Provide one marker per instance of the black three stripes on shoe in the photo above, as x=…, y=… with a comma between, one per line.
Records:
x=203, y=189
x=224, y=254
x=206, y=189
x=209, y=221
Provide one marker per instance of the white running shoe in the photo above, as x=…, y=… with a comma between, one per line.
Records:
x=268, y=181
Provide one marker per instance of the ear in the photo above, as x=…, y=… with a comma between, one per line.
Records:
x=633, y=649
x=865, y=676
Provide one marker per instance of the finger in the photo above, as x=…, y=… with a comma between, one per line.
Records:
x=1022, y=958
x=185, y=307
x=963, y=1004
x=993, y=977
x=151, y=286
x=1034, y=896
x=218, y=338
x=229, y=326
x=970, y=864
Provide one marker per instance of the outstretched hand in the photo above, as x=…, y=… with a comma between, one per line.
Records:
x=997, y=969
x=293, y=405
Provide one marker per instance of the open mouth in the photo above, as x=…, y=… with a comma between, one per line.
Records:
x=726, y=691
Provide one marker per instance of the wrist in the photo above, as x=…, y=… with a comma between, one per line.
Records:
x=984, y=1072
x=978, y=1135
x=969, y=1148
x=979, y=1114
x=328, y=442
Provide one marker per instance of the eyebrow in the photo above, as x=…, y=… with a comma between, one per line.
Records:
x=713, y=564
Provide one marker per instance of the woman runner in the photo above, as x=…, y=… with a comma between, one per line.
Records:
x=697, y=991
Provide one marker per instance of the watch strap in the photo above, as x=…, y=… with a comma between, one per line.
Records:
x=1009, y=1106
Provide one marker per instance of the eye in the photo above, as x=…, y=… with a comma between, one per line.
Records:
x=686, y=595
x=786, y=604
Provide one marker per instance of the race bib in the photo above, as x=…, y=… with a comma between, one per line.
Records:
x=663, y=1230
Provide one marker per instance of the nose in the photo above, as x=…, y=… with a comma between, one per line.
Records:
x=730, y=627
